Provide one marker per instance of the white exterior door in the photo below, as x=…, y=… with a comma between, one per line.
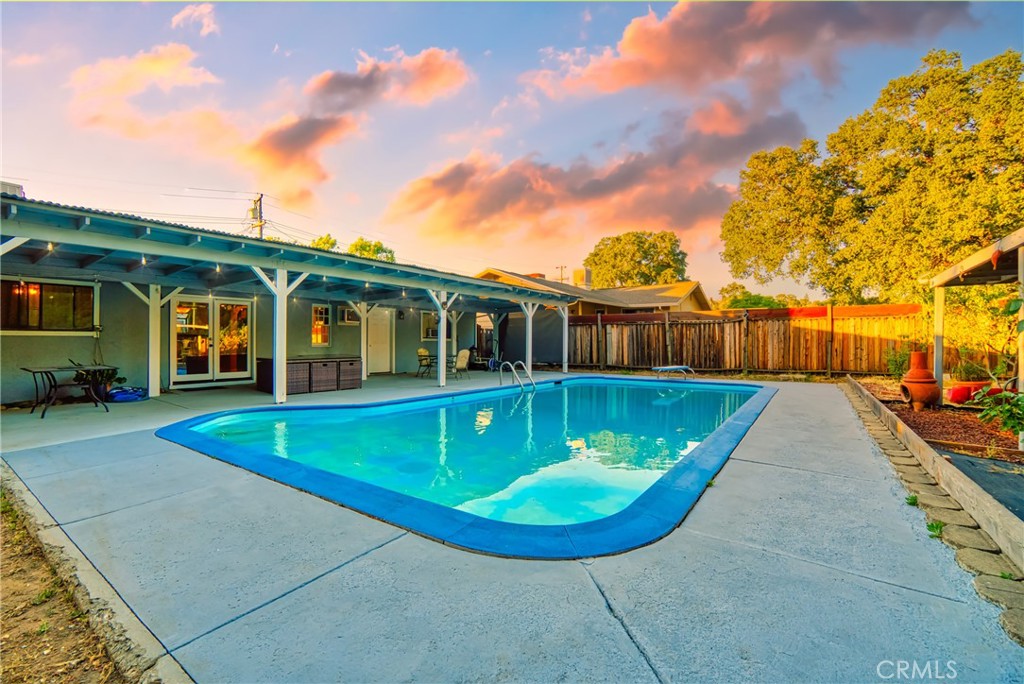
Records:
x=378, y=340
x=211, y=339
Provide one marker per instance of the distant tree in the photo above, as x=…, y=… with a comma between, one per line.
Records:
x=928, y=175
x=753, y=301
x=371, y=249
x=637, y=258
x=325, y=241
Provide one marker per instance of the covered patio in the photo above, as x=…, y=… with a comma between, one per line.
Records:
x=158, y=263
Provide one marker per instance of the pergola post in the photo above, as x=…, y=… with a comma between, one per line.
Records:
x=940, y=314
x=563, y=311
x=280, y=288
x=1020, y=334
x=529, y=308
x=496, y=320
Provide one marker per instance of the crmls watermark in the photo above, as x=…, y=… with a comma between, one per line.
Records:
x=929, y=670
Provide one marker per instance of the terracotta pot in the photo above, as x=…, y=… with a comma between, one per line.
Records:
x=963, y=390
x=918, y=386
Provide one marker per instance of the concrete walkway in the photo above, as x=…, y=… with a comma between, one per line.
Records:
x=802, y=564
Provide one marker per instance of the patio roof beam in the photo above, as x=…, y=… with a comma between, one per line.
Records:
x=13, y=243
x=217, y=250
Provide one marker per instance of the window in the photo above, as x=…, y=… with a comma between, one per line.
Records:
x=347, y=316
x=321, y=325
x=46, y=306
x=429, y=326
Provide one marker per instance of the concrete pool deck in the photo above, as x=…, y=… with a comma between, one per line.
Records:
x=802, y=563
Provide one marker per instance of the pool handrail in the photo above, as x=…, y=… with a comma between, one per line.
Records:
x=526, y=370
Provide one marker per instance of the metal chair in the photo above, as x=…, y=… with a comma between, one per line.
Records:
x=426, y=363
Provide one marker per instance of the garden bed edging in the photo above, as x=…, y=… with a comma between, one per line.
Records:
x=1005, y=528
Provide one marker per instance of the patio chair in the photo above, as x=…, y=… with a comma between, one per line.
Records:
x=426, y=363
x=461, y=364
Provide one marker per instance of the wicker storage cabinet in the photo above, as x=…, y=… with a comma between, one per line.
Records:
x=312, y=374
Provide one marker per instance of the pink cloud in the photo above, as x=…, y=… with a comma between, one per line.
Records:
x=25, y=60
x=201, y=14
x=668, y=186
x=417, y=79
x=284, y=155
x=700, y=44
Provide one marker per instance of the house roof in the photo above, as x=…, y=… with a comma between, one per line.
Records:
x=46, y=239
x=626, y=297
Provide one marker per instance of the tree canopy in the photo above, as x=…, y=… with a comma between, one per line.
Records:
x=928, y=175
x=371, y=249
x=325, y=241
x=637, y=258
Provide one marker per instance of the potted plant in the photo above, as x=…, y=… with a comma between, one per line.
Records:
x=968, y=377
x=100, y=380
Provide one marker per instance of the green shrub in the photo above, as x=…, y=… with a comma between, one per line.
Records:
x=898, y=361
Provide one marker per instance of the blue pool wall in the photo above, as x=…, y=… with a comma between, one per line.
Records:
x=654, y=514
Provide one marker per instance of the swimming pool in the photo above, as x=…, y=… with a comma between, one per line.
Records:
x=582, y=467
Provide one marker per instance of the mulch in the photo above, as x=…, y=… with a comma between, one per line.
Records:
x=948, y=424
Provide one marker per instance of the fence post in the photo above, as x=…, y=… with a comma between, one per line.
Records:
x=746, y=340
x=828, y=339
x=668, y=341
x=600, y=343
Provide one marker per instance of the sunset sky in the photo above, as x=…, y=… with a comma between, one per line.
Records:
x=461, y=135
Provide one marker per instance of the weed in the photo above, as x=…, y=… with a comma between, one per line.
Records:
x=79, y=615
x=935, y=529
x=43, y=628
x=43, y=596
x=911, y=500
x=1006, y=575
x=711, y=482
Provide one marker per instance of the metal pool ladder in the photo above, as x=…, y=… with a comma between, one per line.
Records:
x=512, y=367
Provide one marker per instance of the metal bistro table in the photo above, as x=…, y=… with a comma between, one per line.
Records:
x=46, y=379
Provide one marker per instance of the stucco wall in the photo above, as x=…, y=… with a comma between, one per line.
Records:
x=123, y=343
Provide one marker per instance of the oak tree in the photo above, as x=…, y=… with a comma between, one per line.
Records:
x=637, y=258
x=928, y=175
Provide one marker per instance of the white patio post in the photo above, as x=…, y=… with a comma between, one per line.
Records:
x=153, y=303
x=362, y=309
x=940, y=314
x=153, y=376
x=441, y=302
x=454, y=316
x=563, y=311
x=1020, y=335
x=529, y=308
x=280, y=288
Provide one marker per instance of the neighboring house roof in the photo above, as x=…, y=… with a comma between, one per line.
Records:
x=659, y=295
x=641, y=296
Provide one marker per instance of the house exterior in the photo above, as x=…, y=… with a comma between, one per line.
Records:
x=174, y=306
x=682, y=296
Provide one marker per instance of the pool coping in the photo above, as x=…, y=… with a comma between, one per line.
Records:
x=653, y=515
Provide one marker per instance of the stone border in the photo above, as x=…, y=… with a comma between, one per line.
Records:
x=136, y=653
x=993, y=517
x=998, y=579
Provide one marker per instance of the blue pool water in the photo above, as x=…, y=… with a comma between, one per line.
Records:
x=570, y=455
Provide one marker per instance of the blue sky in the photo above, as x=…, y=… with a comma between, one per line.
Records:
x=463, y=135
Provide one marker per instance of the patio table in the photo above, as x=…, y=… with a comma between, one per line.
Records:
x=46, y=379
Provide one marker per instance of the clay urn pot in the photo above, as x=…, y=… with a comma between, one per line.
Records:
x=918, y=386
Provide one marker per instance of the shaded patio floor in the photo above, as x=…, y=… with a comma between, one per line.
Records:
x=801, y=564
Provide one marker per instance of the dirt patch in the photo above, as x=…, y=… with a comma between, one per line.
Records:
x=44, y=637
x=948, y=424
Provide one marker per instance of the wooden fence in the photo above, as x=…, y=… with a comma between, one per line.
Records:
x=847, y=339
